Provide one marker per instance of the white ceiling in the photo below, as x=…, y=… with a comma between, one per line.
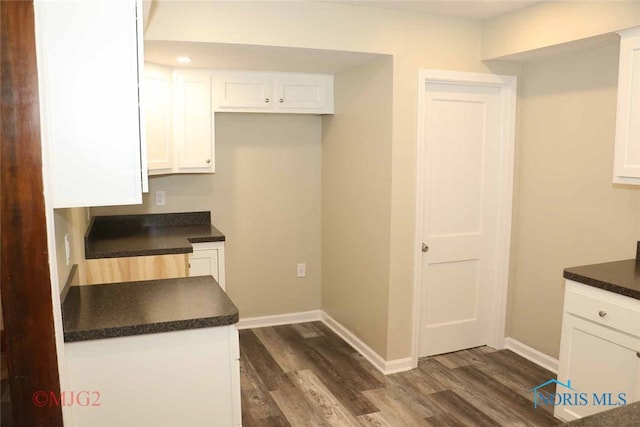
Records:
x=469, y=9
x=251, y=57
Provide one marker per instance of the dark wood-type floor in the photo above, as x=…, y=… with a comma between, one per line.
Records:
x=305, y=375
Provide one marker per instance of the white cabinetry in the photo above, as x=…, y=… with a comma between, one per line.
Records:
x=304, y=93
x=88, y=66
x=194, y=124
x=626, y=169
x=599, y=349
x=158, y=88
x=180, y=105
x=243, y=91
x=207, y=259
x=248, y=91
x=179, y=120
x=181, y=378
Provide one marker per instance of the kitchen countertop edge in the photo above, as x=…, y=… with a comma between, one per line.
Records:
x=620, y=277
x=93, y=312
x=137, y=225
x=153, y=328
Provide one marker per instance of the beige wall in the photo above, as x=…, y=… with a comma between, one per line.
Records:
x=421, y=41
x=567, y=212
x=265, y=197
x=72, y=222
x=553, y=23
x=415, y=40
x=356, y=201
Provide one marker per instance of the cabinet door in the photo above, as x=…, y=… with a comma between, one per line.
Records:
x=304, y=93
x=626, y=168
x=244, y=91
x=596, y=359
x=204, y=263
x=207, y=259
x=87, y=54
x=194, y=125
x=157, y=109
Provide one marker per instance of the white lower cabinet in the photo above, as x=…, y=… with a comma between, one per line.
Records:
x=599, y=350
x=181, y=378
x=207, y=259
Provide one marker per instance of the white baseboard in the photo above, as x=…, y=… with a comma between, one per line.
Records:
x=543, y=360
x=384, y=366
x=279, y=319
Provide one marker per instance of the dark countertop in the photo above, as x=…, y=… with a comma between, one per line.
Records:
x=134, y=308
x=151, y=234
x=620, y=277
x=625, y=416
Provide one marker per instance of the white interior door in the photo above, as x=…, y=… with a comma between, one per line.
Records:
x=462, y=132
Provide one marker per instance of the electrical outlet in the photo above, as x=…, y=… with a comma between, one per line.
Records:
x=302, y=269
x=161, y=198
x=67, y=248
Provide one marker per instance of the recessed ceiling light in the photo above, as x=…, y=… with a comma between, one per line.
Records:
x=183, y=59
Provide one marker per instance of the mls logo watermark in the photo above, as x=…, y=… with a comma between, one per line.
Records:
x=572, y=397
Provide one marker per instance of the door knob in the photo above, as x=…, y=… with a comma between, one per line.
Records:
x=266, y=100
x=281, y=100
x=425, y=248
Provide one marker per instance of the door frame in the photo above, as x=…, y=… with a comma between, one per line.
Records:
x=507, y=86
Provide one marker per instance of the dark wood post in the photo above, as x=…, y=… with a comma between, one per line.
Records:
x=26, y=286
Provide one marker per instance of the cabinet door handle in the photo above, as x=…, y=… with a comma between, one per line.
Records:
x=208, y=161
x=189, y=265
x=425, y=248
x=266, y=100
x=602, y=313
x=638, y=354
x=281, y=100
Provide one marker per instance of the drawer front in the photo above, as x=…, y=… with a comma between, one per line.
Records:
x=602, y=307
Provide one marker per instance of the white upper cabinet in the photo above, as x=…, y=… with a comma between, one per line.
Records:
x=194, y=123
x=179, y=120
x=180, y=105
x=88, y=67
x=304, y=92
x=243, y=91
x=626, y=169
x=158, y=117
x=270, y=92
